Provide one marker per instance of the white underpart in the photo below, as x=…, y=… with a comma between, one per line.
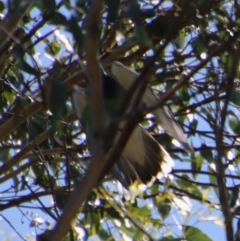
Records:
x=126, y=77
x=131, y=151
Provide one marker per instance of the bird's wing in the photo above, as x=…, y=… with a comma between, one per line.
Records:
x=143, y=158
x=126, y=78
x=142, y=162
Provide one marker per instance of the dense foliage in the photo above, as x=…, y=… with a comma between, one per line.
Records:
x=189, y=51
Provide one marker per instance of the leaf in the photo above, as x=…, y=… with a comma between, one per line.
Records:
x=46, y=181
x=234, y=123
x=207, y=154
x=94, y=221
x=126, y=231
x=164, y=208
x=61, y=200
x=58, y=99
x=45, y=236
x=112, y=212
x=72, y=174
x=186, y=184
x=141, y=212
x=19, y=52
x=134, y=12
x=16, y=183
x=235, y=97
x=104, y=235
x=142, y=36
x=194, y=234
x=34, y=129
x=56, y=47
x=4, y=155
x=38, y=170
x=148, y=12
x=200, y=46
x=49, y=5
x=213, y=180
x=170, y=238
x=76, y=31
x=196, y=165
x=113, y=6
x=180, y=39
x=233, y=197
x=193, y=123
x=2, y=6
x=13, y=82
x=58, y=19
x=17, y=7
x=185, y=94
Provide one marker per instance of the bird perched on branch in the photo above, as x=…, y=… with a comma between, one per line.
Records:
x=143, y=158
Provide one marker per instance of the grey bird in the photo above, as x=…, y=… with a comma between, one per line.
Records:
x=143, y=159
x=126, y=77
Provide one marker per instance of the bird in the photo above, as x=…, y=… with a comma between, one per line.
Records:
x=126, y=77
x=143, y=158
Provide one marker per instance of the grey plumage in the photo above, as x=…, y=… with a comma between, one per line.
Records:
x=143, y=158
x=126, y=78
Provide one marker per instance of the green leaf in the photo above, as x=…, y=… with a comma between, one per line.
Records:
x=113, y=213
x=213, y=180
x=71, y=174
x=4, y=155
x=186, y=184
x=38, y=170
x=59, y=19
x=234, y=123
x=134, y=12
x=49, y=5
x=142, y=36
x=13, y=81
x=200, y=46
x=170, y=238
x=61, y=200
x=94, y=221
x=34, y=129
x=197, y=165
x=113, y=6
x=104, y=235
x=16, y=183
x=126, y=231
x=58, y=99
x=184, y=94
x=180, y=39
x=45, y=236
x=2, y=7
x=233, y=197
x=56, y=47
x=141, y=212
x=46, y=181
x=164, y=208
x=207, y=154
x=85, y=121
x=76, y=31
x=17, y=7
x=148, y=12
x=235, y=97
x=193, y=125
x=19, y=52
x=194, y=234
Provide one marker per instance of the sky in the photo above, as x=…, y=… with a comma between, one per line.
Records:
x=21, y=219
